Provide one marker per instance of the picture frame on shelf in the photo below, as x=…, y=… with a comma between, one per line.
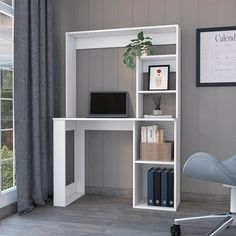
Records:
x=215, y=56
x=158, y=77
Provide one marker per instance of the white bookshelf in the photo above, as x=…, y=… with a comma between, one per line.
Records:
x=171, y=125
x=112, y=38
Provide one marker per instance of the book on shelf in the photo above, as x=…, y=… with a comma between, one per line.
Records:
x=164, y=187
x=143, y=134
x=150, y=186
x=160, y=133
x=152, y=134
x=171, y=188
x=155, y=134
x=157, y=187
x=159, y=116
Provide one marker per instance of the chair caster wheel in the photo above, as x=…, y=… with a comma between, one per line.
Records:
x=175, y=230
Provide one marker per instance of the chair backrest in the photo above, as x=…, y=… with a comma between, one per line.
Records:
x=206, y=167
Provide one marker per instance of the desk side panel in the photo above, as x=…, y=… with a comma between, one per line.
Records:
x=59, y=162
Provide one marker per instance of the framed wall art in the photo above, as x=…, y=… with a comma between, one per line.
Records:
x=216, y=56
x=158, y=77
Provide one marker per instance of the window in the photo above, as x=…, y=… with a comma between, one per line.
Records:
x=8, y=2
x=7, y=157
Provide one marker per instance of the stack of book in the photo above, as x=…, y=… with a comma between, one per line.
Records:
x=160, y=187
x=152, y=134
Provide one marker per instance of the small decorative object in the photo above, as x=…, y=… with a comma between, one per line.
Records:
x=216, y=50
x=138, y=47
x=158, y=100
x=158, y=77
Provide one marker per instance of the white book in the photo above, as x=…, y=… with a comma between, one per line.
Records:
x=161, y=135
x=143, y=134
x=150, y=134
x=158, y=135
x=154, y=129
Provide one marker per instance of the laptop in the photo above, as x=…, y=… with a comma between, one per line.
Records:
x=108, y=104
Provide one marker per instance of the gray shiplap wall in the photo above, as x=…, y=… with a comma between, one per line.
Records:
x=208, y=114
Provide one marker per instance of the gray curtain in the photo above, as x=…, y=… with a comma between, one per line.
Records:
x=34, y=100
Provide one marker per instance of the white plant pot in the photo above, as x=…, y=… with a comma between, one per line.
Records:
x=145, y=53
x=157, y=112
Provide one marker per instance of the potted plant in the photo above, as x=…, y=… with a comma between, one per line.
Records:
x=137, y=47
x=158, y=100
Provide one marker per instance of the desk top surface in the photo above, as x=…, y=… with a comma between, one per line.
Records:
x=113, y=119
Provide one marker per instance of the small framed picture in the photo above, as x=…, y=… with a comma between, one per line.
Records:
x=158, y=77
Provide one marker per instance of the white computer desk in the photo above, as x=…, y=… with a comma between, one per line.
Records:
x=64, y=195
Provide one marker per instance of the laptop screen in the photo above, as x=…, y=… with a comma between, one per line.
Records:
x=108, y=104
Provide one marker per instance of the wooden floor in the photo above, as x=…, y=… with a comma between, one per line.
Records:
x=103, y=216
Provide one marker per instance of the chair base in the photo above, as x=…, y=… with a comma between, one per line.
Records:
x=227, y=220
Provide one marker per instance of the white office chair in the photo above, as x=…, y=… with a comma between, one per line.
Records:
x=206, y=167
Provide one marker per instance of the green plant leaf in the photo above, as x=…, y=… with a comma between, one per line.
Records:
x=140, y=36
x=127, y=46
x=132, y=65
x=149, y=43
x=135, y=49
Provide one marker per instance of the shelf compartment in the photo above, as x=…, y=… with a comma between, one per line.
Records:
x=167, y=125
x=140, y=187
x=143, y=83
x=146, y=105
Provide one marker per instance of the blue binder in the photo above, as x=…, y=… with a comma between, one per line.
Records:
x=171, y=188
x=164, y=187
x=157, y=188
x=150, y=186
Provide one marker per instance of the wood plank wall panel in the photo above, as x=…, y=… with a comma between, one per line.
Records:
x=208, y=114
x=140, y=12
x=95, y=158
x=110, y=69
x=110, y=14
x=82, y=85
x=207, y=99
x=156, y=12
x=81, y=16
x=125, y=13
x=65, y=22
x=172, y=11
x=189, y=18
x=225, y=134
x=111, y=159
x=96, y=14
x=125, y=160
